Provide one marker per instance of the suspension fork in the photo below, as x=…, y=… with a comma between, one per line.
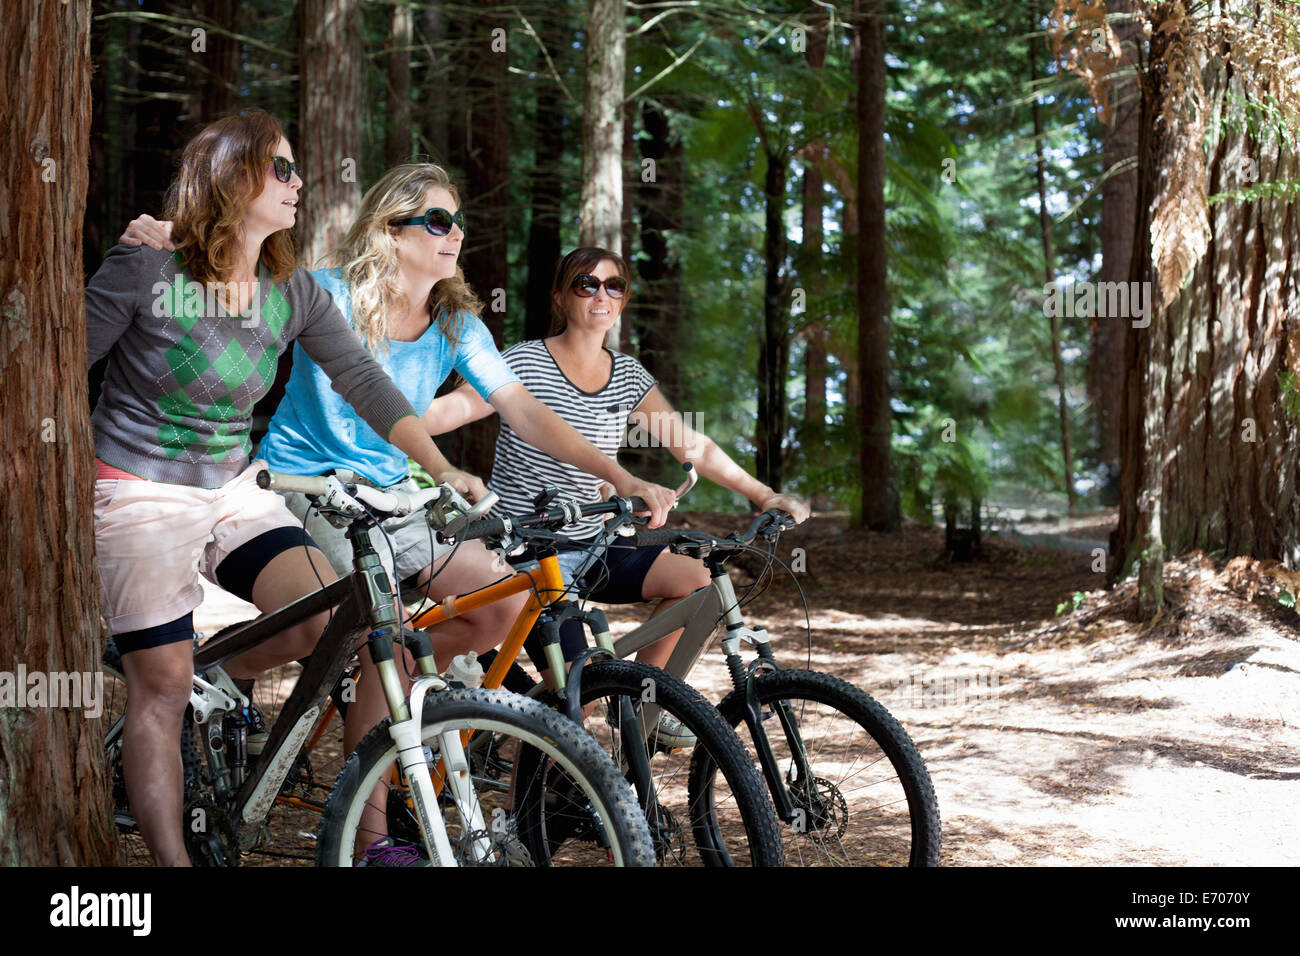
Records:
x=742, y=679
x=569, y=685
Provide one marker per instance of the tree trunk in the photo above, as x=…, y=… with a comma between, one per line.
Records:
x=331, y=65
x=658, y=306
x=879, y=502
x=1049, y=267
x=774, y=355
x=1118, y=213
x=601, y=206
x=1211, y=454
x=658, y=316
x=54, y=794
x=544, y=250
x=813, y=438
x=397, y=138
x=220, y=61
x=480, y=143
x=434, y=108
x=159, y=131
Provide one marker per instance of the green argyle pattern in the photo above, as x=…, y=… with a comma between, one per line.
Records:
x=211, y=376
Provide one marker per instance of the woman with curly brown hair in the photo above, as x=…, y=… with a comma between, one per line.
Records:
x=192, y=340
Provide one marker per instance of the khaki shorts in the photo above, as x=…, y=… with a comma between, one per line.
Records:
x=153, y=540
x=406, y=547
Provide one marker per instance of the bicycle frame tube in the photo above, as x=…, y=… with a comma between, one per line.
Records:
x=698, y=613
x=546, y=582
x=302, y=709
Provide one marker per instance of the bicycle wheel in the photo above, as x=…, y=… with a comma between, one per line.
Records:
x=869, y=800
x=740, y=807
x=529, y=742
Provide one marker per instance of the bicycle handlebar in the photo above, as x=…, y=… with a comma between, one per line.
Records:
x=350, y=497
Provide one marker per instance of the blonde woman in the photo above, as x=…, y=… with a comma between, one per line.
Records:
x=395, y=277
x=175, y=494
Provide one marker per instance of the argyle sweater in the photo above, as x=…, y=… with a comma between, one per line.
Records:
x=183, y=375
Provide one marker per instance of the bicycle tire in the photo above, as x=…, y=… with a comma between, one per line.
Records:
x=749, y=819
x=543, y=739
x=827, y=710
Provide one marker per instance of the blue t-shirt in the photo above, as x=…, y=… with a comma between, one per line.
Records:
x=314, y=430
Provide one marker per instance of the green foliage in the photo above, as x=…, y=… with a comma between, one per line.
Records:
x=1075, y=601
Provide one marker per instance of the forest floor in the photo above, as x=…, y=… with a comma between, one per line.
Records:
x=1079, y=739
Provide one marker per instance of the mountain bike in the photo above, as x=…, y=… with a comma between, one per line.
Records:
x=618, y=703
x=847, y=782
x=411, y=771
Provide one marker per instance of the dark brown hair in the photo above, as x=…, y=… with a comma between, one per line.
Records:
x=580, y=260
x=223, y=169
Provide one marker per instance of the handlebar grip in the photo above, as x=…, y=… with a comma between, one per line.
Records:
x=485, y=528
x=304, y=484
x=658, y=536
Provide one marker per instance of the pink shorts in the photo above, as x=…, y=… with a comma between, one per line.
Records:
x=154, y=539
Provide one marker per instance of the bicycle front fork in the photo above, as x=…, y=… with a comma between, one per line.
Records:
x=742, y=678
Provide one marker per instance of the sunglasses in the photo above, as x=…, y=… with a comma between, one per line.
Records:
x=284, y=170
x=587, y=285
x=437, y=222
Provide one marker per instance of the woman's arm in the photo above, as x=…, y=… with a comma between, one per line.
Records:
x=451, y=411
x=409, y=435
x=686, y=444
x=542, y=428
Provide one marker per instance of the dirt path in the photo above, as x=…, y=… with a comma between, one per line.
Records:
x=1071, y=740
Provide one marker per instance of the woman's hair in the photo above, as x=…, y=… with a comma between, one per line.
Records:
x=580, y=260
x=223, y=169
x=368, y=256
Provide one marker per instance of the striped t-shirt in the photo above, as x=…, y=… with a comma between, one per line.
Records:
x=521, y=470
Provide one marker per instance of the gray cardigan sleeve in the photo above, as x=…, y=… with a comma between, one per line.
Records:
x=331, y=343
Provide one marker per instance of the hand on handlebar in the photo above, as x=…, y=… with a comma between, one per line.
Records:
x=796, y=508
x=658, y=498
x=468, y=485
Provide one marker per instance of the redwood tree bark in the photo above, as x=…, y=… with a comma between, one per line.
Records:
x=220, y=61
x=601, y=205
x=1049, y=267
x=1211, y=456
x=478, y=131
x=879, y=503
x=397, y=138
x=774, y=355
x=330, y=71
x=813, y=436
x=544, y=251
x=1118, y=213
x=54, y=795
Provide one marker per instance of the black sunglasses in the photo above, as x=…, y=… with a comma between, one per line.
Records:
x=284, y=170
x=587, y=285
x=437, y=222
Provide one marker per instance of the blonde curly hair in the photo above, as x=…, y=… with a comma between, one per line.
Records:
x=368, y=257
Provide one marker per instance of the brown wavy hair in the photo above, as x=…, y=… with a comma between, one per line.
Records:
x=223, y=169
x=580, y=260
x=368, y=257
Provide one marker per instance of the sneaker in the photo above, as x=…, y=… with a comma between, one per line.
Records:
x=257, y=735
x=387, y=853
x=671, y=734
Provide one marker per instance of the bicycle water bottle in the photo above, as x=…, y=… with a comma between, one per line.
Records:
x=465, y=670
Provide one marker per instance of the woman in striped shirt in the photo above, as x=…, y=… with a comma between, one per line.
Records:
x=598, y=391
